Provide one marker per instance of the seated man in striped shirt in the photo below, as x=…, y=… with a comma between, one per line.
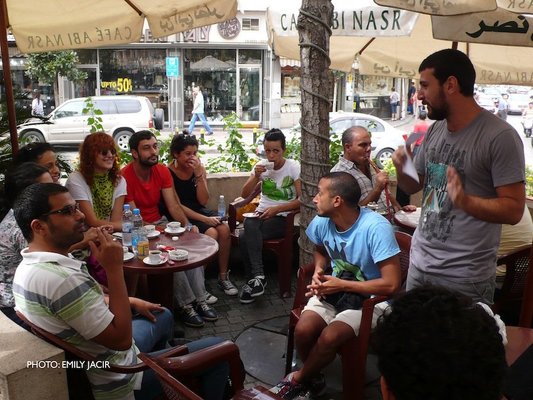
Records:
x=56, y=293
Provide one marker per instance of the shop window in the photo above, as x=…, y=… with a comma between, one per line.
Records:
x=250, y=24
x=140, y=72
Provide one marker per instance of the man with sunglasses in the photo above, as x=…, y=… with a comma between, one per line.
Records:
x=56, y=293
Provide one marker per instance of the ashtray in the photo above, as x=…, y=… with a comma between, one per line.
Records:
x=178, y=254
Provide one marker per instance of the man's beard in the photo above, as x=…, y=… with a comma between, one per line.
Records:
x=147, y=163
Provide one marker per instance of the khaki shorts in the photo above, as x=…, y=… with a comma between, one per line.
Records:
x=351, y=318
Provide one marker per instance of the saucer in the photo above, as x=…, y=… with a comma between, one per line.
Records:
x=153, y=234
x=175, y=231
x=178, y=255
x=146, y=260
x=118, y=235
x=128, y=256
x=250, y=215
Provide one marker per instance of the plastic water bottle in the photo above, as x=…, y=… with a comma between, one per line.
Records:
x=127, y=225
x=139, y=238
x=221, y=207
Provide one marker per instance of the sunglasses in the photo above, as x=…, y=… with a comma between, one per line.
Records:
x=106, y=152
x=71, y=209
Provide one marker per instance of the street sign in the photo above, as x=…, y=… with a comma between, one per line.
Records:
x=173, y=66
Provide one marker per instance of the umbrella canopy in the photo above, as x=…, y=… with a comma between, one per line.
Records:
x=51, y=25
x=393, y=42
x=210, y=63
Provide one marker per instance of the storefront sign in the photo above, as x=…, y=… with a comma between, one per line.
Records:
x=173, y=66
x=356, y=20
x=121, y=85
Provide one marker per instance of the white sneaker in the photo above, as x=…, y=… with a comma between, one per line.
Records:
x=227, y=286
x=210, y=299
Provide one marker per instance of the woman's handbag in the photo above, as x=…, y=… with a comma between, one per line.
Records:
x=345, y=300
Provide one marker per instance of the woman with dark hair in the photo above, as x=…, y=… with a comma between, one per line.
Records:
x=190, y=183
x=41, y=153
x=11, y=239
x=98, y=186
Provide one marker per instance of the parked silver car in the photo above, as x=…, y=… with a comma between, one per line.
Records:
x=121, y=117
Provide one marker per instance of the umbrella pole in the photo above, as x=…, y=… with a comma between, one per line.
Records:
x=10, y=98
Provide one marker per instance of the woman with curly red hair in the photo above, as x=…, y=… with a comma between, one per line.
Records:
x=97, y=185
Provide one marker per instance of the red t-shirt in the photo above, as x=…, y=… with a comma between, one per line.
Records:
x=146, y=195
x=420, y=127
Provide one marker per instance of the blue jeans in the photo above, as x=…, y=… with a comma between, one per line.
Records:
x=195, y=117
x=251, y=241
x=212, y=381
x=150, y=336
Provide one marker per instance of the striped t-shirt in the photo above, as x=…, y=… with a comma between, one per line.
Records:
x=57, y=294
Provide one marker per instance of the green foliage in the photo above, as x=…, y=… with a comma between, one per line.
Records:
x=529, y=181
x=335, y=148
x=233, y=154
x=45, y=67
x=389, y=168
x=95, y=120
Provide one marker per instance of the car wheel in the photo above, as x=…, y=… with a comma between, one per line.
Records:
x=383, y=156
x=32, y=137
x=159, y=118
x=122, y=140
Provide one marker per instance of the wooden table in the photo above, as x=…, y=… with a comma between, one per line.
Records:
x=519, y=339
x=407, y=220
x=201, y=248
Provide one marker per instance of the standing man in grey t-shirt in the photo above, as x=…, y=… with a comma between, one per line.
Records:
x=471, y=168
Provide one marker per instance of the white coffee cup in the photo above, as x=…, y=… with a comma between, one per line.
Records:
x=149, y=229
x=125, y=249
x=174, y=225
x=269, y=165
x=154, y=256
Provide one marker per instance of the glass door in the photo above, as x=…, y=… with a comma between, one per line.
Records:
x=249, y=107
x=88, y=87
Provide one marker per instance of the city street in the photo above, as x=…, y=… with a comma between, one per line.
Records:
x=70, y=153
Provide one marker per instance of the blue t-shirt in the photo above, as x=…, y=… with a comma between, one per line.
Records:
x=359, y=249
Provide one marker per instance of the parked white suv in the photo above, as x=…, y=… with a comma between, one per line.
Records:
x=121, y=117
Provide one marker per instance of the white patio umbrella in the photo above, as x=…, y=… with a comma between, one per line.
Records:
x=50, y=25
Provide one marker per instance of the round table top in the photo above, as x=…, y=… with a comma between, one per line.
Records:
x=201, y=249
x=407, y=219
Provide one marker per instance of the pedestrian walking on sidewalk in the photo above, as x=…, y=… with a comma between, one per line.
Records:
x=198, y=111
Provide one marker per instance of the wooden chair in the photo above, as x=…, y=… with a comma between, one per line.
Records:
x=526, y=312
x=79, y=386
x=282, y=247
x=354, y=352
x=171, y=370
x=509, y=298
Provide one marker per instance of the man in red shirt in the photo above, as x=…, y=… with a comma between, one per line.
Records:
x=421, y=127
x=147, y=182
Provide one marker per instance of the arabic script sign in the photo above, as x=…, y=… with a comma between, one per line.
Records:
x=229, y=29
x=498, y=27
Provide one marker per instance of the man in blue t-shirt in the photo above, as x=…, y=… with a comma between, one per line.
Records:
x=352, y=241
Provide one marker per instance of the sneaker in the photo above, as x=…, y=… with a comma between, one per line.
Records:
x=258, y=285
x=227, y=286
x=254, y=288
x=210, y=299
x=190, y=317
x=288, y=388
x=206, y=312
x=246, y=294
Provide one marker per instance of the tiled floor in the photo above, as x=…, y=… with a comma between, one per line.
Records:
x=259, y=330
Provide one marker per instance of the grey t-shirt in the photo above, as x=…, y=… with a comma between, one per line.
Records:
x=449, y=242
